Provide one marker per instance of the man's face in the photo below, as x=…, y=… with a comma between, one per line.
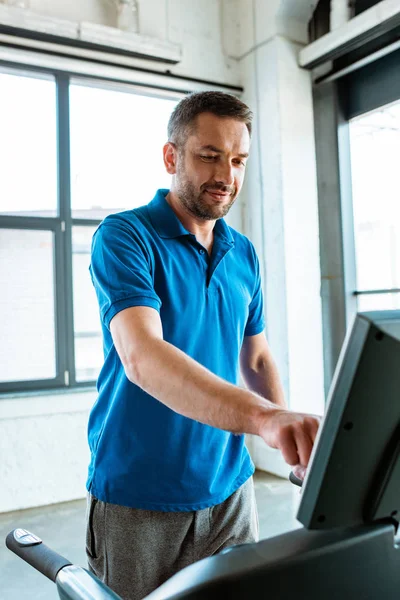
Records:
x=210, y=167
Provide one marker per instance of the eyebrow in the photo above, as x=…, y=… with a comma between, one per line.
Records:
x=219, y=151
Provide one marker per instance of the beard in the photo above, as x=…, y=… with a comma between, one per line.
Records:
x=198, y=205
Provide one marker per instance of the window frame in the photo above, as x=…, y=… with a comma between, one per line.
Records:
x=336, y=101
x=364, y=90
x=62, y=242
x=52, y=224
x=61, y=225
x=358, y=101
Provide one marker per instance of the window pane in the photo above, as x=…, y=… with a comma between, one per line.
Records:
x=379, y=302
x=28, y=151
x=375, y=157
x=116, y=149
x=88, y=341
x=27, y=325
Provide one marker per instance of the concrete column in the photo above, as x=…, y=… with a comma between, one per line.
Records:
x=281, y=206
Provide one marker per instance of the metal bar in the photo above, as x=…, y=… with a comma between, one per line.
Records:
x=86, y=49
x=8, y=387
x=369, y=25
x=86, y=222
x=65, y=326
x=383, y=291
x=358, y=64
x=329, y=213
x=39, y=223
x=38, y=386
x=59, y=301
x=347, y=214
x=88, y=334
x=96, y=69
x=84, y=384
x=130, y=88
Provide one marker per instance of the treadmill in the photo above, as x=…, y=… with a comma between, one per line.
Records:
x=349, y=508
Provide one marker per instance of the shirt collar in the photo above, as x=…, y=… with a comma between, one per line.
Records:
x=167, y=224
x=222, y=230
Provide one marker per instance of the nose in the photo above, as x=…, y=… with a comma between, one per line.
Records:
x=224, y=173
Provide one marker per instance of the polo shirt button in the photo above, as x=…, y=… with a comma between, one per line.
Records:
x=201, y=251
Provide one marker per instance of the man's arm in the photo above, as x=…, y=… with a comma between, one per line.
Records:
x=259, y=371
x=185, y=386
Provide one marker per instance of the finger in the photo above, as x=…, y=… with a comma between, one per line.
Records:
x=299, y=471
x=312, y=424
x=288, y=447
x=304, y=444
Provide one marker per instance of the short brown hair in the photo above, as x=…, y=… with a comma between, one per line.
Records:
x=219, y=104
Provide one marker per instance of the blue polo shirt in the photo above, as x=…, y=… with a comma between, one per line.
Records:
x=143, y=454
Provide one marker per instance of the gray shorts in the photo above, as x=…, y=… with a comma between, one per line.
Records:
x=134, y=551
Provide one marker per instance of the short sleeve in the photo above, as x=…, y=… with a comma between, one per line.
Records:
x=256, y=322
x=121, y=269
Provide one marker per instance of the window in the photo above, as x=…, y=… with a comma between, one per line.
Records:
x=375, y=152
x=87, y=333
x=28, y=146
x=116, y=149
x=348, y=96
x=27, y=319
x=72, y=151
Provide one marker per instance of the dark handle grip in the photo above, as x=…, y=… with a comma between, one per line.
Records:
x=38, y=555
x=295, y=480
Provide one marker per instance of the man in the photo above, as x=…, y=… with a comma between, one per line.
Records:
x=170, y=479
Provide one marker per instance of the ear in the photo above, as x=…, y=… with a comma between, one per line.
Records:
x=170, y=154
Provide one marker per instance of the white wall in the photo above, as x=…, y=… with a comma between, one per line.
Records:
x=43, y=450
x=193, y=24
x=43, y=439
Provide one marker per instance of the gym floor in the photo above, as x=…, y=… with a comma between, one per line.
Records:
x=62, y=527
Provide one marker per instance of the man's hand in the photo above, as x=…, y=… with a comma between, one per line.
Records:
x=292, y=433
